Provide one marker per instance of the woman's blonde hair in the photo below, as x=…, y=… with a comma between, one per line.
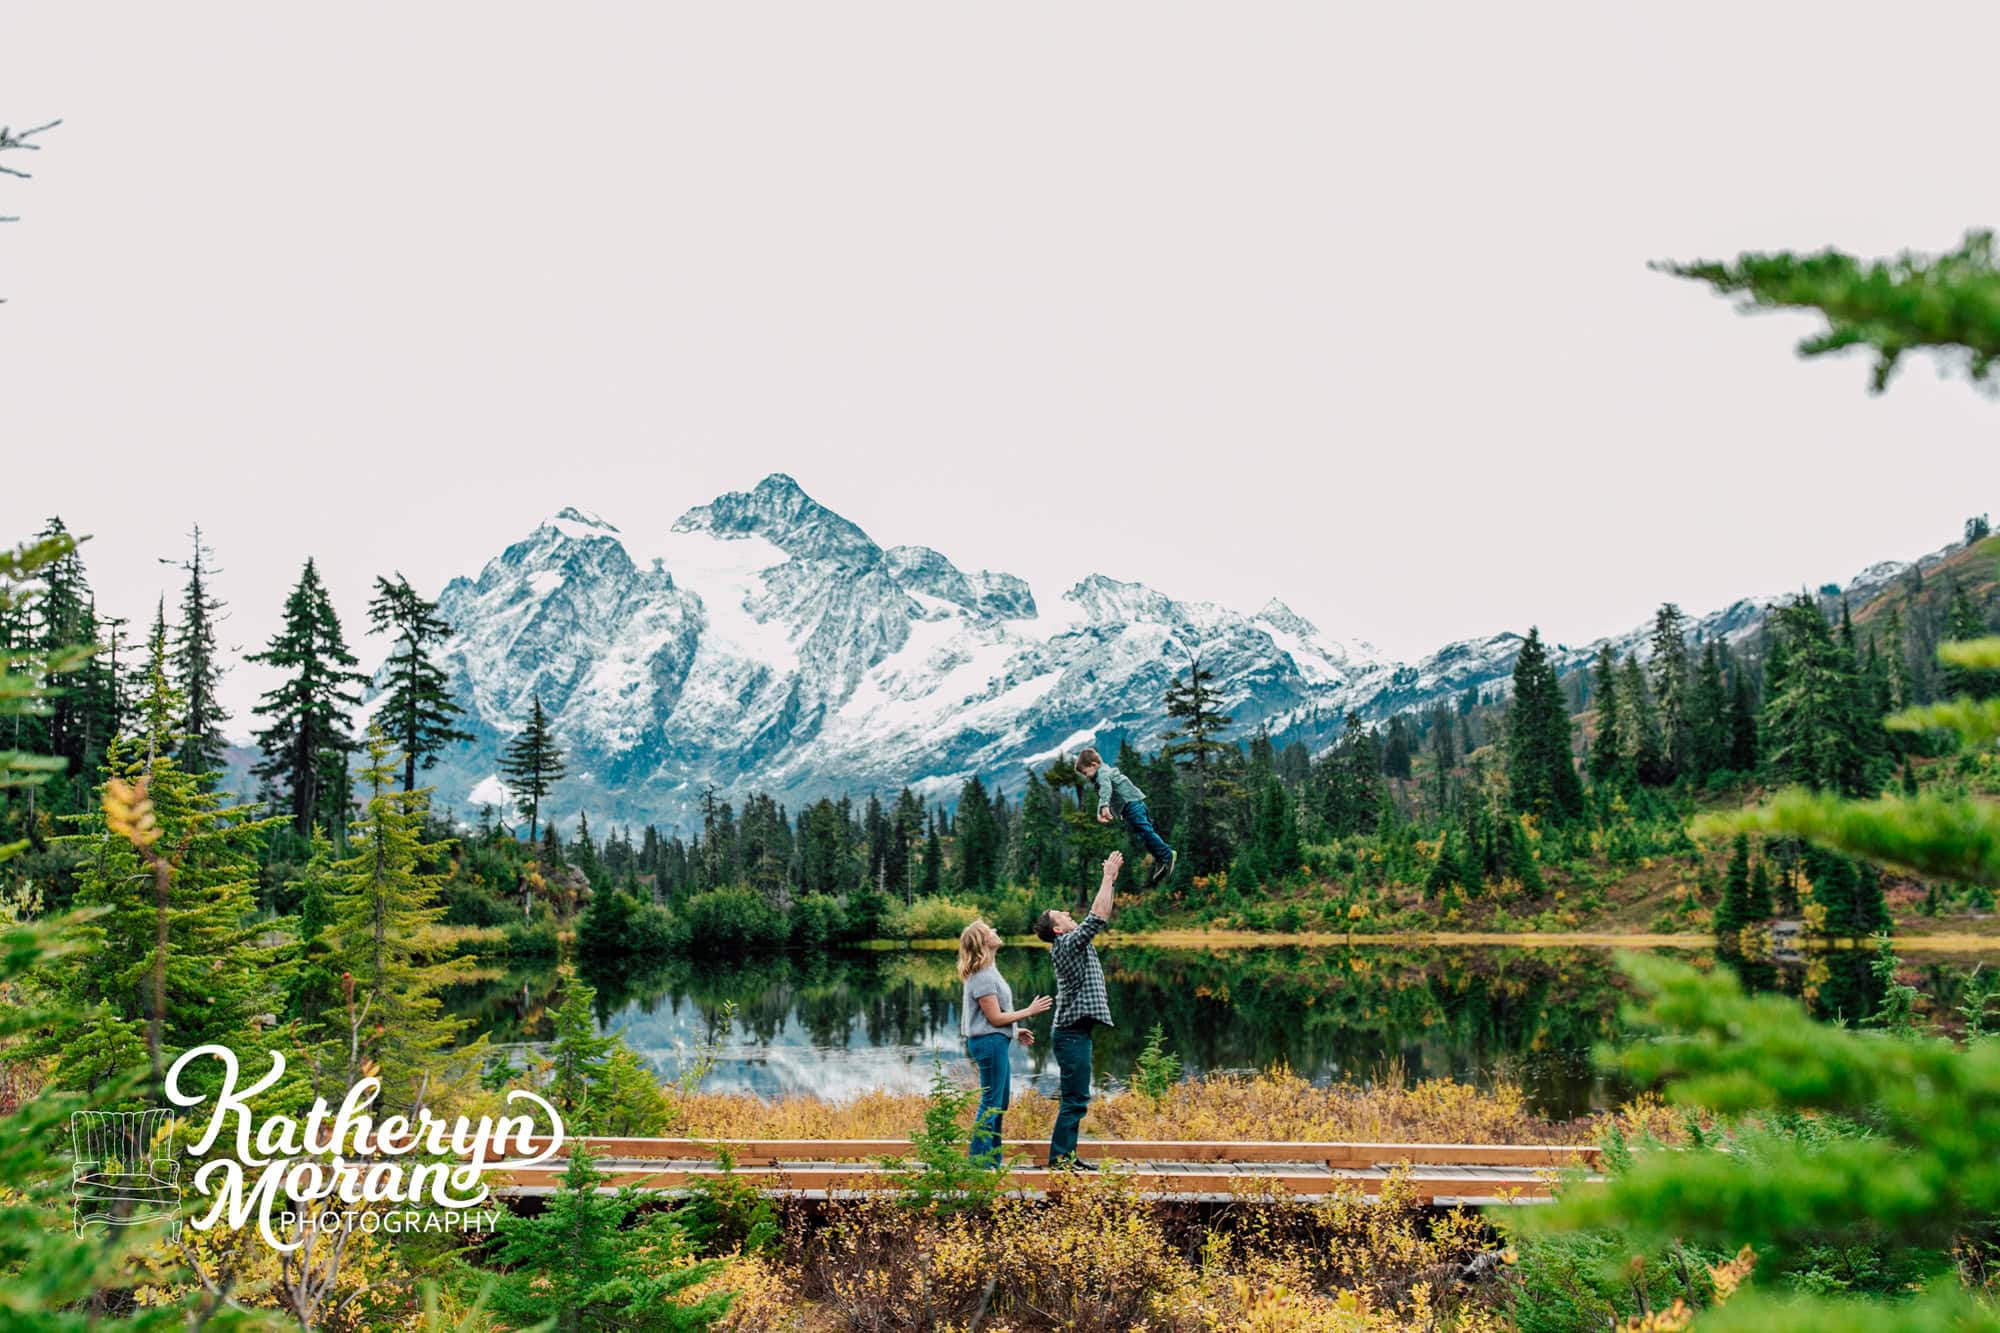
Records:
x=975, y=949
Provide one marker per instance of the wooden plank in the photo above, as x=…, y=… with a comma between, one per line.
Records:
x=773, y=1152
x=1424, y=1185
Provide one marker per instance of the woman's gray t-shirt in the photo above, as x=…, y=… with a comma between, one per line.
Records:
x=972, y=1019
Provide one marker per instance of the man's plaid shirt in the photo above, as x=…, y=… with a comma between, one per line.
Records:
x=1079, y=976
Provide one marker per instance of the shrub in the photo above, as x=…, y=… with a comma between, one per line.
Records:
x=731, y=921
x=1158, y=1069
x=929, y=919
x=617, y=923
x=817, y=920
x=1012, y=911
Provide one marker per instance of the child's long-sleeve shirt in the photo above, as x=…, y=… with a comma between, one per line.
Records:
x=1115, y=791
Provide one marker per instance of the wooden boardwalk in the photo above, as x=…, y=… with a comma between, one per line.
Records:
x=1442, y=1174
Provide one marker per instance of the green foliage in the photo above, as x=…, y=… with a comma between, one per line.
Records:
x=305, y=740
x=817, y=921
x=939, y=1176
x=725, y=921
x=417, y=710
x=531, y=765
x=390, y=945
x=1844, y=1141
x=1948, y=302
x=617, y=924
x=929, y=919
x=1541, y=772
x=591, y=1261
x=1158, y=1069
x=727, y=1214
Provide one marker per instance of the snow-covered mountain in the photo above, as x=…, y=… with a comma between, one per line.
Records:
x=772, y=645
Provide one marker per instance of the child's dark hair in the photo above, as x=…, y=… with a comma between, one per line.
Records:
x=1087, y=756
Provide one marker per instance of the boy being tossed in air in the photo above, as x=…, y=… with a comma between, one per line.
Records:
x=1119, y=795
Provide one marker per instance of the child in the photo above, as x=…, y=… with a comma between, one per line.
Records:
x=1118, y=794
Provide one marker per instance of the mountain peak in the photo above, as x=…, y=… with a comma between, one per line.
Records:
x=779, y=511
x=580, y=523
x=1280, y=616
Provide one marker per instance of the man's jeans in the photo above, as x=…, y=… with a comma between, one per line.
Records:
x=1142, y=828
x=1072, y=1048
x=991, y=1051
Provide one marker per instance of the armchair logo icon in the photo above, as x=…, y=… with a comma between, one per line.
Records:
x=124, y=1171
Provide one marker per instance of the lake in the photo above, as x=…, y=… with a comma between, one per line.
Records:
x=835, y=1025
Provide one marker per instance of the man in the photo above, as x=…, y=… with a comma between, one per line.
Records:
x=1081, y=1005
x=1119, y=795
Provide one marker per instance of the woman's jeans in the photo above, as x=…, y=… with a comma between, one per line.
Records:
x=1072, y=1051
x=991, y=1052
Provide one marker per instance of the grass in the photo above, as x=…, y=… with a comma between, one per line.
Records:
x=1939, y=942
x=1277, y=1105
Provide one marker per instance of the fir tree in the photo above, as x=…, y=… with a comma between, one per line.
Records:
x=932, y=883
x=594, y=1260
x=1812, y=720
x=1963, y=622
x=1672, y=685
x=1607, y=759
x=1708, y=718
x=1641, y=743
x=387, y=924
x=1196, y=745
x=978, y=842
x=1742, y=723
x=1733, y=912
x=197, y=666
x=531, y=765
x=306, y=738
x=418, y=712
x=177, y=957
x=1541, y=772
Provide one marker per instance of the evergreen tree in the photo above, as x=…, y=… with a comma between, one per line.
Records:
x=978, y=841
x=1742, y=723
x=1758, y=905
x=1541, y=773
x=418, y=712
x=594, y=1260
x=1641, y=743
x=1733, y=912
x=932, y=883
x=197, y=672
x=1040, y=857
x=1196, y=745
x=1963, y=622
x=390, y=945
x=1672, y=688
x=1396, y=748
x=1607, y=759
x=1347, y=785
x=531, y=765
x=1813, y=727
x=306, y=738
x=578, y=1057
x=176, y=957
x=1708, y=718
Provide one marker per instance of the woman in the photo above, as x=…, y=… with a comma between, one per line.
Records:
x=986, y=1021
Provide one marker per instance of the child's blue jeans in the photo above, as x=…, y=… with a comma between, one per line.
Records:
x=1142, y=828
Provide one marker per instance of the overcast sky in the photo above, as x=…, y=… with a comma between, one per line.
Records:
x=1343, y=304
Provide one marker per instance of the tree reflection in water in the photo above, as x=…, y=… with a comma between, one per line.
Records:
x=835, y=1025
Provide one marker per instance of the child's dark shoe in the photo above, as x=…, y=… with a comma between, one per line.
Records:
x=1162, y=869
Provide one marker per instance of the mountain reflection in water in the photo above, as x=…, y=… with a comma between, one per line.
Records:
x=841, y=1024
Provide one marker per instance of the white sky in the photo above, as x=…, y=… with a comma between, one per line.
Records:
x=1343, y=304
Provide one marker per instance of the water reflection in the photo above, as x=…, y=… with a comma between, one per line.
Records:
x=841, y=1024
